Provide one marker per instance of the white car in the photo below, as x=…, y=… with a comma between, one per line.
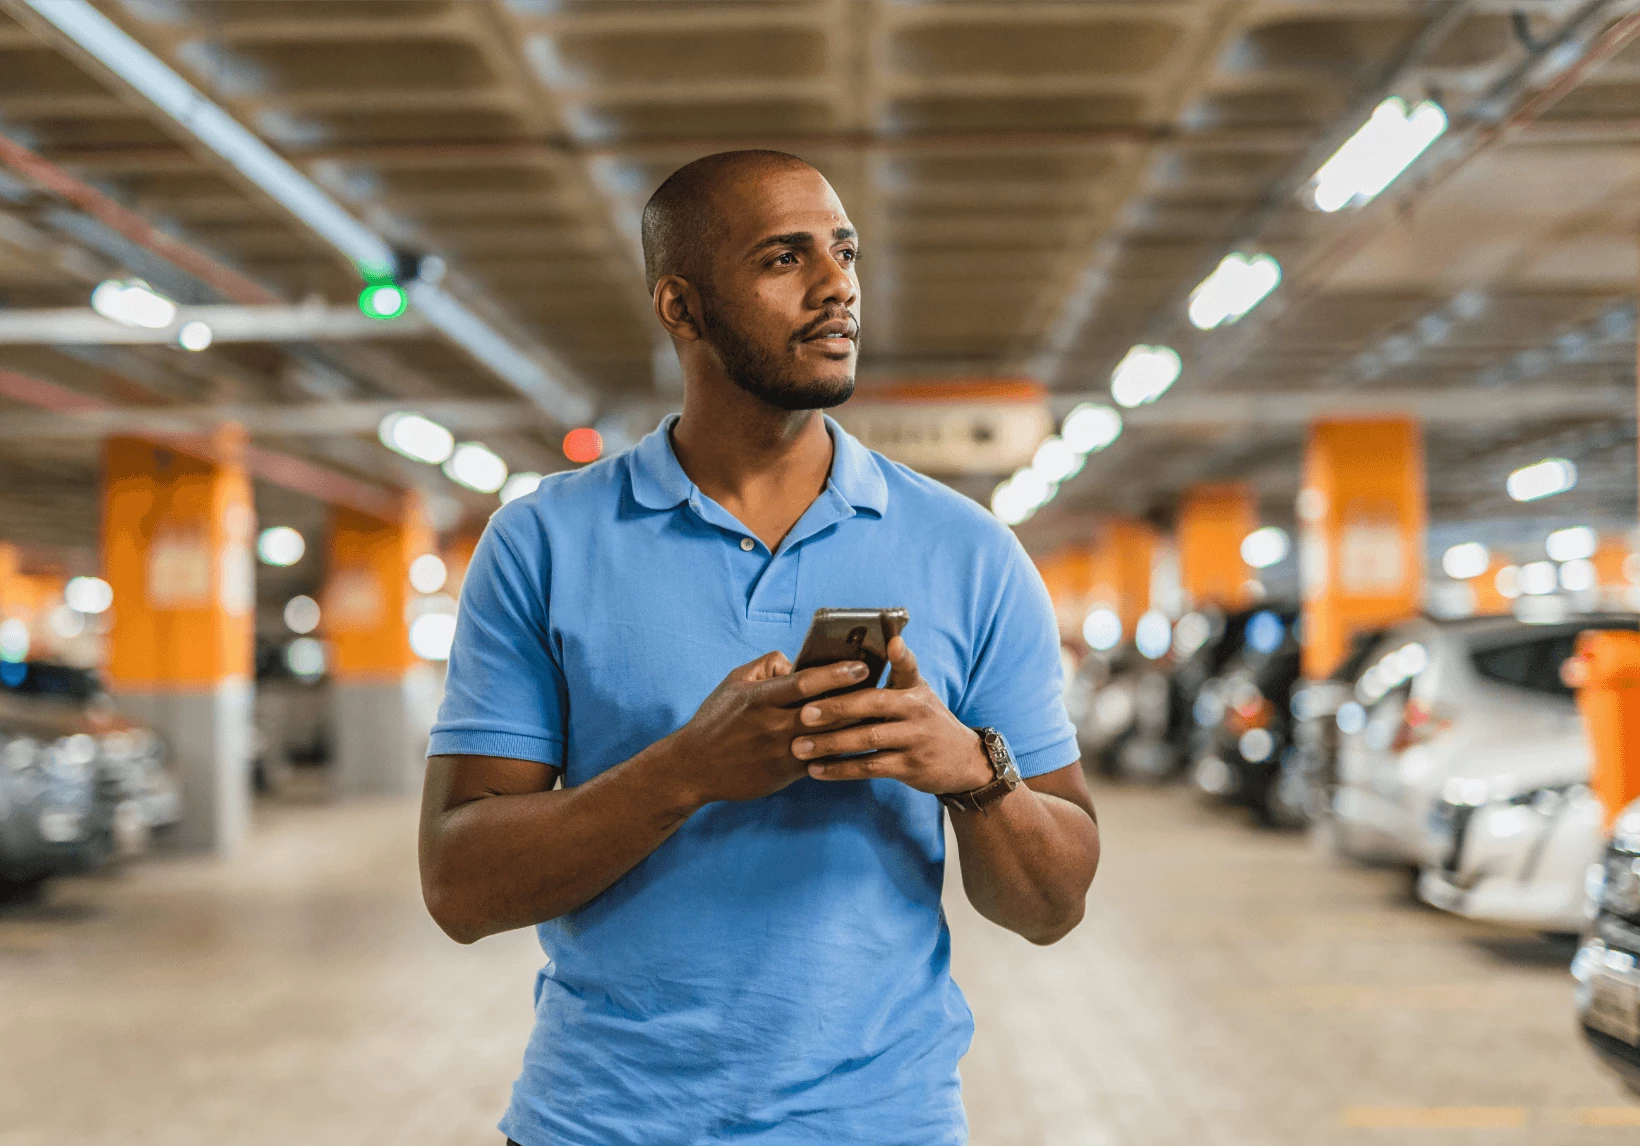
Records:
x=1513, y=842
x=1469, y=700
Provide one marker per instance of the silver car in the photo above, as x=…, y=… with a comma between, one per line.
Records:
x=1446, y=704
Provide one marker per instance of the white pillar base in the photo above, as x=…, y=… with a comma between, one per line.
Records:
x=208, y=732
x=380, y=733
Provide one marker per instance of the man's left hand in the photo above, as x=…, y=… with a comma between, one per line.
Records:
x=913, y=737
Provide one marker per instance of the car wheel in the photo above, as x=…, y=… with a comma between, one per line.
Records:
x=26, y=890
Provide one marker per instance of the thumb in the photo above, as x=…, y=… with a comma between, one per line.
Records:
x=904, y=672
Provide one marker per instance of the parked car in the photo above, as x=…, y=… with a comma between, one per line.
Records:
x=1607, y=965
x=1513, y=841
x=1316, y=737
x=79, y=784
x=1244, y=753
x=1441, y=701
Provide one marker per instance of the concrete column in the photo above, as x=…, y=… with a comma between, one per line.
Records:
x=1122, y=564
x=1213, y=520
x=383, y=697
x=177, y=531
x=1362, y=515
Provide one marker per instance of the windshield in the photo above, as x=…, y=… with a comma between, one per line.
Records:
x=40, y=678
x=1532, y=661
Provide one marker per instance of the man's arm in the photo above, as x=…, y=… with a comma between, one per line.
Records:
x=501, y=849
x=1028, y=859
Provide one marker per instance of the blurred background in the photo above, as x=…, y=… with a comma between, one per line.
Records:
x=1294, y=338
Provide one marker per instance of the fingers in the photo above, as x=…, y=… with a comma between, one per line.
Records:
x=796, y=687
x=904, y=673
x=867, y=704
x=861, y=738
x=766, y=667
x=878, y=766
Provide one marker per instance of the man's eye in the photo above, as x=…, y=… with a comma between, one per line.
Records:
x=786, y=259
x=849, y=255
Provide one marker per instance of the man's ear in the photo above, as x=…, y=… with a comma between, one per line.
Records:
x=677, y=305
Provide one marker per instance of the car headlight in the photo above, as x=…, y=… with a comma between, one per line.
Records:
x=1620, y=890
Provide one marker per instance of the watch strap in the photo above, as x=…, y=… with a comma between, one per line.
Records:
x=1002, y=766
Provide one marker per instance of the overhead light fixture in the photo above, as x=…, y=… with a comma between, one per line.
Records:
x=280, y=546
x=133, y=303
x=477, y=467
x=1102, y=629
x=1265, y=547
x=1578, y=575
x=1539, y=578
x=1466, y=560
x=88, y=595
x=195, y=336
x=1541, y=479
x=519, y=485
x=1056, y=460
x=301, y=615
x=305, y=657
x=240, y=148
x=1574, y=544
x=431, y=636
x=1144, y=375
x=428, y=573
x=1382, y=148
x=1238, y=284
x=1091, y=427
x=383, y=301
x=583, y=444
x=417, y=438
x=1010, y=504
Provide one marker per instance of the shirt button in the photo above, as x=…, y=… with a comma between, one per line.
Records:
x=748, y=544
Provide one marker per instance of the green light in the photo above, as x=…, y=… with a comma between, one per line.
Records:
x=383, y=301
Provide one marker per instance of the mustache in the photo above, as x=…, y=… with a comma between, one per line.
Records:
x=809, y=330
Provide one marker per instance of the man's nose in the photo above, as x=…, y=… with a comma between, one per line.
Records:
x=834, y=284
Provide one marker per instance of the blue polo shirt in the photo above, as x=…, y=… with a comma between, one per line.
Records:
x=778, y=971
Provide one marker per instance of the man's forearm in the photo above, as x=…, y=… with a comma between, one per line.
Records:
x=1027, y=862
x=504, y=861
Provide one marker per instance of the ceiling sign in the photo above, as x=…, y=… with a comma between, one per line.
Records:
x=970, y=427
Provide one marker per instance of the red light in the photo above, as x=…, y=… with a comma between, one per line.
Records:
x=583, y=445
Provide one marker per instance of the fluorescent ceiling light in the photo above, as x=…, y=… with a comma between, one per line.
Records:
x=1238, y=284
x=1010, y=504
x=520, y=484
x=1572, y=544
x=1539, y=578
x=301, y=615
x=280, y=546
x=1578, y=576
x=1102, y=629
x=1144, y=375
x=1056, y=460
x=428, y=574
x=1541, y=479
x=195, y=336
x=88, y=594
x=133, y=303
x=1265, y=547
x=1380, y=150
x=417, y=438
x=1470, y=559
x=1091, y=427
x=477, y=467
x=152, y=78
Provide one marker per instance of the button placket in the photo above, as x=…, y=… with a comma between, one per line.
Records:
x=748, y=544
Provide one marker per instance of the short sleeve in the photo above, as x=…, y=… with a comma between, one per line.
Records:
x=504, y=693
x=1016, y=684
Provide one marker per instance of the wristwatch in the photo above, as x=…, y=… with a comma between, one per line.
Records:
x=1002, y=766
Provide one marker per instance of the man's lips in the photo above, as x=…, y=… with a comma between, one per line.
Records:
x=837, y=330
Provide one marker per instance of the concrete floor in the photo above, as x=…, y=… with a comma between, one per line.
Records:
x=1229, y=987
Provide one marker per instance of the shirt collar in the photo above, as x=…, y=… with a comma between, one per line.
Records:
x=658, y=481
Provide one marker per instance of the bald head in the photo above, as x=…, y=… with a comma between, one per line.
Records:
x=682, y=223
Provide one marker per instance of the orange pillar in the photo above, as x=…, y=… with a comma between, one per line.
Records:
x=1068, y=576
x=1362, y=515
x=1606, y=674
x=1213, y=520
x=1611, y=576
x=383, y=695
x=458, y=555
x=177, y=531
x=1122, y=567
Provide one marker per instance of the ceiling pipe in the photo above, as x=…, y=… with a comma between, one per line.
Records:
x=120, y=55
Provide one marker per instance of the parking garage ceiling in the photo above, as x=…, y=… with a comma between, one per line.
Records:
x=1038, y=186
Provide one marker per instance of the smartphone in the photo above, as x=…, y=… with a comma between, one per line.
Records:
x=852, y=635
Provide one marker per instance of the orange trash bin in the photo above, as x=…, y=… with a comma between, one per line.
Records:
x=1606, y=674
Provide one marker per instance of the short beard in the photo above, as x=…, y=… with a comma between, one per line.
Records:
x=763, y=375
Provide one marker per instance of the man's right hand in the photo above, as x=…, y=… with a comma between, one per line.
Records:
x=737, y=746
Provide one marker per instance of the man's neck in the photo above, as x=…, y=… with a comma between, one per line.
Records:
x=763, y=464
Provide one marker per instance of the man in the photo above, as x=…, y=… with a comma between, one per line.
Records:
x=738, y=885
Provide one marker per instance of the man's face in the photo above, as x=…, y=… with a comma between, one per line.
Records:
x=782, y=307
